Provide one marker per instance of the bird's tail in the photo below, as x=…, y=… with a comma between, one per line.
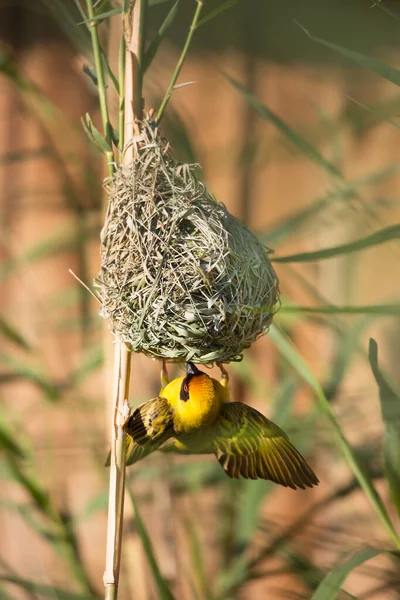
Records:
x=133, y=452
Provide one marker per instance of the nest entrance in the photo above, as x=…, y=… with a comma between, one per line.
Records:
x=180, y=278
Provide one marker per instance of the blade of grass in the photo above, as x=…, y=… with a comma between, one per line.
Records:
x=64, y=540
x=164, y=593
x=8, y=439
x=8, y=331
x=330, y=586
x=181, y=60
x=158, y=38
x=20, y=370
x=350, y=189
x=367, y=62
x=288, y=350
x=387, y=9
x=46, y=591
x=379, y=115
x=101, y=16
x=382, y=236
x=380, y=310
x=197, y=556
x=217, y=11
x=302, y=144
x=346, y=346
x=390, y=407
x=98, y=64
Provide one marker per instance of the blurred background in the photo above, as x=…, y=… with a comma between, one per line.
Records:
x=317, y=167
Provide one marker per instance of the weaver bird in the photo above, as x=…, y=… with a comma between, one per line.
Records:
x=194, y=415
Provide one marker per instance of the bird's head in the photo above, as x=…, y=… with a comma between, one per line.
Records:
x=196, y=385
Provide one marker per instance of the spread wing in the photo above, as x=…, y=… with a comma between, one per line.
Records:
x=148, y=427
x=248, y=445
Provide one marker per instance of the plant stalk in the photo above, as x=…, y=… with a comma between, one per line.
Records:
x=131, y=105
x=98, y=65
x=181, y=60
x=122, y=364
x=121, y=102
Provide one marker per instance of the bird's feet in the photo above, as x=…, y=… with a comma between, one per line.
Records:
x=164, y=375
x=224, y=374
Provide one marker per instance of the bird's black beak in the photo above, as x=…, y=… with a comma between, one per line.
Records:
x=191, y=369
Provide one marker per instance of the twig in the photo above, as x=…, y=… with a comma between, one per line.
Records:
x=181, y=60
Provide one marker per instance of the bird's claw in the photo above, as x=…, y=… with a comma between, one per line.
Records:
x=164, y=374
x=224, y=374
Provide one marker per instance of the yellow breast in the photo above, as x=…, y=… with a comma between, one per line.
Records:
x=201, y=409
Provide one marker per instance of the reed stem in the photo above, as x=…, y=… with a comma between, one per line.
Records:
x=130, y=108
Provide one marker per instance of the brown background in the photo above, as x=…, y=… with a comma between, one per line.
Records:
x=50, y=182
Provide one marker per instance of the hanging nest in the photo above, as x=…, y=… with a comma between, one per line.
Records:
x=180, y=277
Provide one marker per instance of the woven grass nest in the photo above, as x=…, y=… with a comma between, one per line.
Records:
x=180, y=278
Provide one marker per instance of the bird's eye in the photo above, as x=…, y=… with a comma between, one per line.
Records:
x=185, y=387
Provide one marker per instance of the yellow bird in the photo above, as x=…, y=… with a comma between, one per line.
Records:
x=194, y=415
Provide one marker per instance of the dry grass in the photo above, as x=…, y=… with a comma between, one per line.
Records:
x=180, y=278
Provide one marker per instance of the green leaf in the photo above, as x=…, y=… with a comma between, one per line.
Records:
x=164, y=592
x=104, y=15
x=7, y=440
x=90, y=73
x=387, y=9
x=94, y=135
x=375, y=113
x=302, y=144
x=158, y=38
x=372, y=64
x=30, y=482
x=329, y=587
x=47, y=591
x=381, y=310
x=217, y=11
x=379, y=237
x=346, y=346
x=289, y=351
x=390, y=407
x=31, y=372
x=109, y=71
x=197, y=559
x=30, y=516
x=13, y=335
x=343, y=193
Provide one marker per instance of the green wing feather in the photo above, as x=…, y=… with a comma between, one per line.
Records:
x=248, y=445
x=148, y=427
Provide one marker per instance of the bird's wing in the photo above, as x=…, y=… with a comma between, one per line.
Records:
x=149, y=426
x=248, y=445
